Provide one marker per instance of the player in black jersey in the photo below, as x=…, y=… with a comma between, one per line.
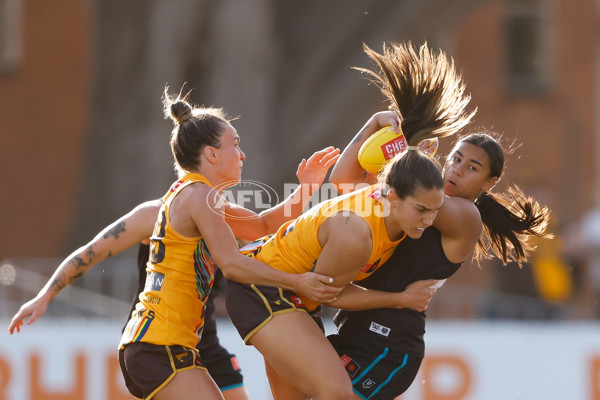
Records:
x=382, y=348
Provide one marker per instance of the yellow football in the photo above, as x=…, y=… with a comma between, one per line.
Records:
x=379, y=148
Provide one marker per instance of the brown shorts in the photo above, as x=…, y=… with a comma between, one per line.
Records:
x=147, y=367
x=250, y=307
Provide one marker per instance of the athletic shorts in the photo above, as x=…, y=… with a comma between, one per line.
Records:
x=147, y=367
x=250, y=307
x=376, y=373
x=223, y=366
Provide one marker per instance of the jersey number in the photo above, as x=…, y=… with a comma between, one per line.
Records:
x=157, y=247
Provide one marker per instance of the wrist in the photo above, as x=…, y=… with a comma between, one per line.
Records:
x=290, y=281
x=400, y=300
x=47, y=296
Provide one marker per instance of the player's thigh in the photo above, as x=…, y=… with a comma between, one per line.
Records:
x=237, y=393
x=192, y=384
x=280, y=387
x=299, y=351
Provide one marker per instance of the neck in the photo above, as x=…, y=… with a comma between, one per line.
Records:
x=394, y=231
x=211, y=176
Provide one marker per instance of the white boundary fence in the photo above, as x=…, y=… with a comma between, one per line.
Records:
x=76, y=360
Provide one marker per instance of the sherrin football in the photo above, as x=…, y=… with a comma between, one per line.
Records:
x=379, y=148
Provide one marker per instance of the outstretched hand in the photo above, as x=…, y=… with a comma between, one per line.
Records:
x=31, y=310
x=317, y=287
x=314, y=170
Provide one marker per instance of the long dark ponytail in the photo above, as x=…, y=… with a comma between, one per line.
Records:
x=509, y=218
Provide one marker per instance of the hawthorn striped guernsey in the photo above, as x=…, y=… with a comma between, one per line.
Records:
x=180, y=274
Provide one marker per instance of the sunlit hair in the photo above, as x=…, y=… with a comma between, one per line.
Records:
x=194, y=129
x=423, y=87
x=509, y=218
x=411, y=171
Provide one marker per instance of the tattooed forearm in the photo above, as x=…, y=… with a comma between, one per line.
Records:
x=115, y=231
x=57, y=285
x=90, y=254
x=80, y=265
x=77, y=276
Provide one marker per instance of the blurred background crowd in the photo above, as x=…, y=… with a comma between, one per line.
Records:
x=83, y=139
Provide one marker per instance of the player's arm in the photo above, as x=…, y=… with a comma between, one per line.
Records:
x=347, y=172
x=347, y=244
x=248, y=225
x=223, y=248
x=459, y=222
x=122, y=234
x=416, y=296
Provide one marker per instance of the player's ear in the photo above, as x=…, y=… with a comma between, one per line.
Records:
x=210, y=154
x=392, y=197
x=489, y=184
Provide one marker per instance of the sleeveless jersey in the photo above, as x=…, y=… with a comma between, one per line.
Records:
x=180, y=274
x=401, y=328
x=295, y=247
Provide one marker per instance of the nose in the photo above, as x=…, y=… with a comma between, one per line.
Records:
x=458, y=170
x=429, y=218
x=242, y=155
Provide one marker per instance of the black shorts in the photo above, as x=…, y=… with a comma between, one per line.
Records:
x=147, y=368
x=222, y=366
x=250, y=307
x=377, y=373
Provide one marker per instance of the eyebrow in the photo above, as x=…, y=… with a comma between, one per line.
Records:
x=471, y=160
x=430, y=209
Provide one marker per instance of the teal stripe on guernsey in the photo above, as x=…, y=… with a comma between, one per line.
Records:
x=390, y=377
x=205, y=269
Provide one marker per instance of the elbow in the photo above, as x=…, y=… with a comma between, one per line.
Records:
x=227, y=273
x=229, y=268
x=226, y=268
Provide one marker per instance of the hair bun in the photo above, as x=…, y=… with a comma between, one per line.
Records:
x=180, y=111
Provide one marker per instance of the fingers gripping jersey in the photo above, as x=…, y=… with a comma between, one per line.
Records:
x=295, y=247
x=180, y=274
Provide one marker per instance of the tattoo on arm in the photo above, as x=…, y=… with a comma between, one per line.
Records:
x=81, y=266
x=358, y=137
x=115, y=231
x=57, y=285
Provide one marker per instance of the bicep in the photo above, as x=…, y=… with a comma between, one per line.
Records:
x=218, y=236
x=127, y=231
x=343, y=253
